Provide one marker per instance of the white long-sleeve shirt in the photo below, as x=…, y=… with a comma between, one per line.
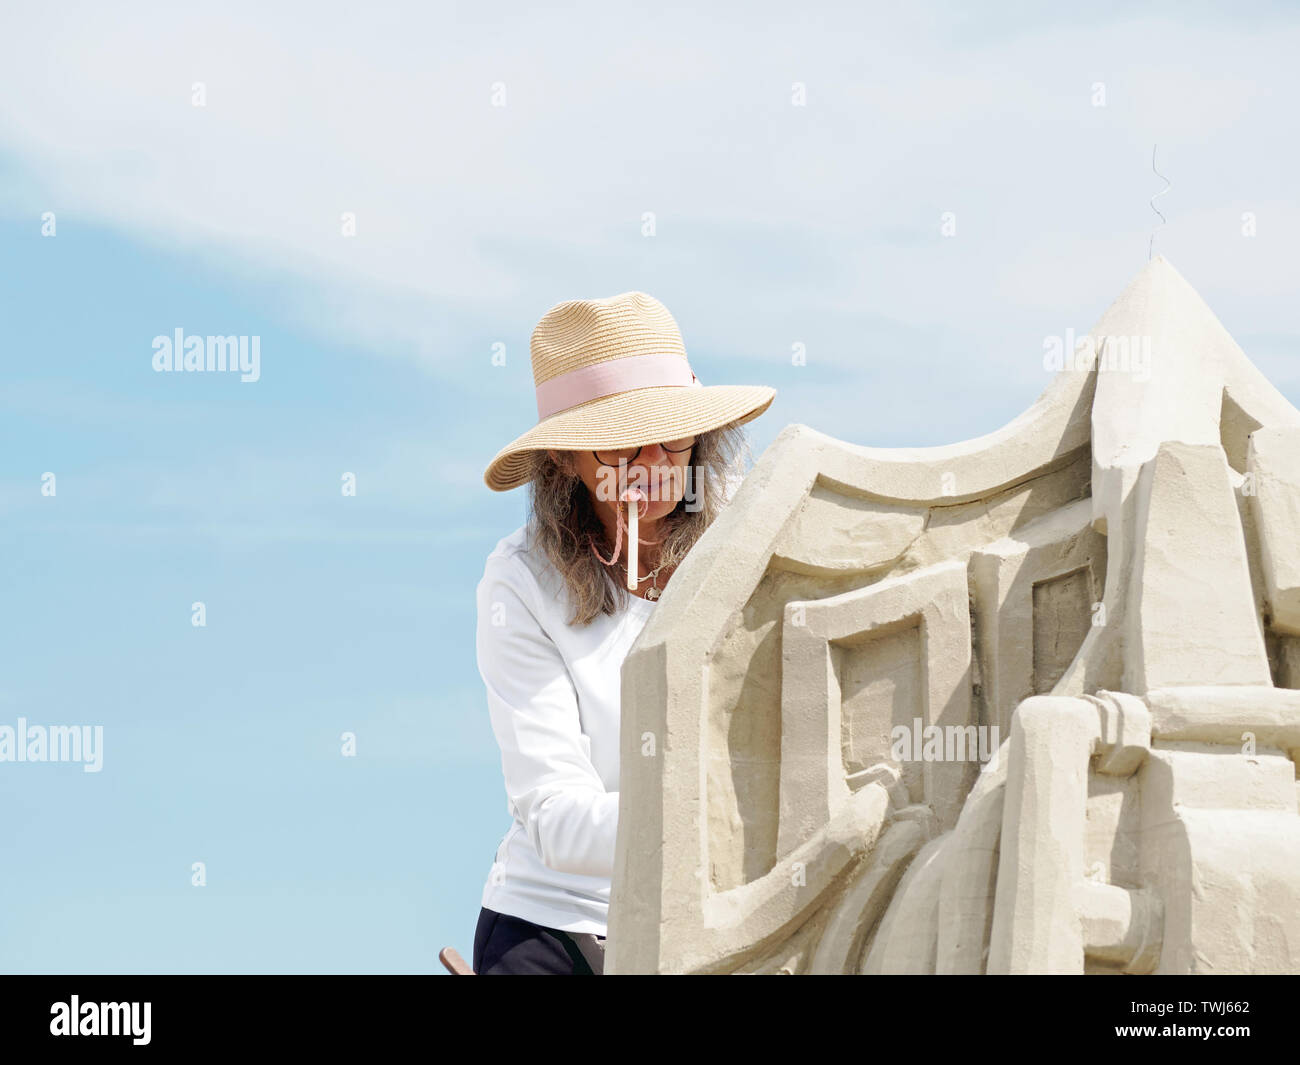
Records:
x=554, y=696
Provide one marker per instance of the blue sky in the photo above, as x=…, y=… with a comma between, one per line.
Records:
x=775, y=225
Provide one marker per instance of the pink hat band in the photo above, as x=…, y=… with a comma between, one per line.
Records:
x=610, y=377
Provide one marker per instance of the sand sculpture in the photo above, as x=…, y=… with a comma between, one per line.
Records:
x=1099, y=601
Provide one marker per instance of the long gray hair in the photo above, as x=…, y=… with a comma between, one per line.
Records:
x=564, y=524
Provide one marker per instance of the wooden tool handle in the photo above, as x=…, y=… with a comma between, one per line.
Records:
x=456, y=965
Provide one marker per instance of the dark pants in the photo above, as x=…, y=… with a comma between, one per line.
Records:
x=509, y=946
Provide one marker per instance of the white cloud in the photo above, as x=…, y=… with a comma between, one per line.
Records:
x=771, y=218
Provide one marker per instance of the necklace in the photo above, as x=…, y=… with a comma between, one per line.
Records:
x=654, y=591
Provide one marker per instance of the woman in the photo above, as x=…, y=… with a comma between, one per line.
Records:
x=622, y=423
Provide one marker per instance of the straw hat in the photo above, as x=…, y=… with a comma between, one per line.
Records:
x=612, y=373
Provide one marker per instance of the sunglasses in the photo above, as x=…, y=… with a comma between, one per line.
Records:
x=618, y=456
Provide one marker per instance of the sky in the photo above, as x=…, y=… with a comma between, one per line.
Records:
x=914, y=196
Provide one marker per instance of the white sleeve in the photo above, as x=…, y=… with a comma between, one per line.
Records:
x=551, y=783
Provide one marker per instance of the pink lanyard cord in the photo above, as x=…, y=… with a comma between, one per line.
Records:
x=639, y=497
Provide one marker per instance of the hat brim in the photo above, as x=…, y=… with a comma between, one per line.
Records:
x=638, y=416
